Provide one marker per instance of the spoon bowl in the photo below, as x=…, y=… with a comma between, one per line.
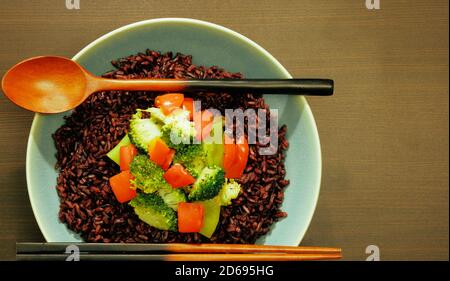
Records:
x=46, y=84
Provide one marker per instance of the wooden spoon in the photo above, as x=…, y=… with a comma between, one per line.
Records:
x=52, y=84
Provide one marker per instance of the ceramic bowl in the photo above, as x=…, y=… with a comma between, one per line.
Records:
x=209, y=44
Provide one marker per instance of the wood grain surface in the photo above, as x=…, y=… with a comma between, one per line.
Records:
x=384, y=134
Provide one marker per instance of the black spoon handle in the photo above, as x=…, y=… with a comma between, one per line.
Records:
x=310, y=87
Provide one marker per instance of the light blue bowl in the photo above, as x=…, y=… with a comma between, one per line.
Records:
x=209, y=44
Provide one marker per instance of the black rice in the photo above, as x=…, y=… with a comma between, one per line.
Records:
x=88, y=205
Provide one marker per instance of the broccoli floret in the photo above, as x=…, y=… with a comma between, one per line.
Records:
x=178, y=134
x=159, y=117
x=156, y=115
x=147, y=175
x=176, y=129
x=193, y=157
x=230, y=190
x=143, y=131
x=151, y=209
x=177, y=116
x=149, y=178
x=172, y=196
x=208, y=184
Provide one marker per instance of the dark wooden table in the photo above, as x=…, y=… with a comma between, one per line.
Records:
x=384, y=134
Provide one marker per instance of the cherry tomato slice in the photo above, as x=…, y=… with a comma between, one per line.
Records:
x=190, y=217
x=230, y=152
x=160, y=153
x=235, y=158
x=127, y=154
x=169, y=159
x=169, y=102
x=120, y=185
x=203, y=122
x=188, y=104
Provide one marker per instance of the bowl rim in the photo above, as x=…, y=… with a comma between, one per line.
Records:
x=307, y=109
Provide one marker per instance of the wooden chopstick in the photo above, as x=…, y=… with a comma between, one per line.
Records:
x=176, y=252
x=249, y=248
x=181, y=257
x=171, y=248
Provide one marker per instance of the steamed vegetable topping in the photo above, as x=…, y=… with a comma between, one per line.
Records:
x=127, y=154
x=172, y=197
x=174, y=173
x=177, y=176
x=188, y=105
x=203, y=124
x=178, y=132
x=193, y=157
x=120, y=185
x=148, y=176
x=151, y=209
x=114, y=154
x=214, y=150
x=230, y=190
x=160, y=153
x=211, y=217
x=143, y=131
x=190, y=217
x=208, y=184
x=169, y=102
x=235, y=158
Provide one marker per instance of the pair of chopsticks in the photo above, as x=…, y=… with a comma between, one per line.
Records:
x=171, y=252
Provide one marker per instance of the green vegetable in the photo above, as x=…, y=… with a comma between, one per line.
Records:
x=211, y=216
x=172, y=196
x=178, y=134
x=230, y=190
x=177, y=131
x=214, y=154
x=192, y=157
x=176, y=116
x=143, y=131
x=151, y=209
x=195, y=157
x=208, y=184
x=114, y=154
x=156, y=115
x=147, y=175
x=149, y=178
x=214, y=151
